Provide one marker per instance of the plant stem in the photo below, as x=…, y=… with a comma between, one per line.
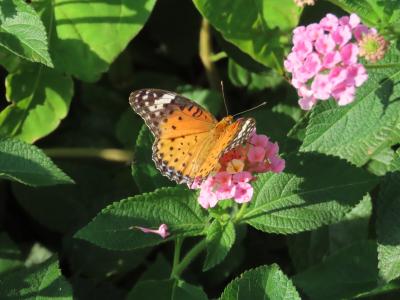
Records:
x=196, y=250
x=382, y=66
x=110, y=154
x=240, y=213
x=177, y=254
x=205, y=53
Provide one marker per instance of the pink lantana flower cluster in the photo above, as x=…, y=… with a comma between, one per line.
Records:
x=324, y=60
x=237, y=169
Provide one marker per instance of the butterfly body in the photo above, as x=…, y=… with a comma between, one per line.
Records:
x=188, y=139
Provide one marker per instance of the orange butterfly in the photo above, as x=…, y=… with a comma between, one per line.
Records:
x=189, y=141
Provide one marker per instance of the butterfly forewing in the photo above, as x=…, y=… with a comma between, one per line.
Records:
x=187, y=145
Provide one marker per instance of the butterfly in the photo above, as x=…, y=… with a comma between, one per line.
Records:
x=189, y=141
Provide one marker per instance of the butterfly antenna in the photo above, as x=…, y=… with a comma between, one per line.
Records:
x=223, y=97
x=250, y=109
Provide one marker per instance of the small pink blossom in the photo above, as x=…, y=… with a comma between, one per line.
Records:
x=256, y=154
x=331, y=68
x=243, y=192
x=329, y=22
x=321, y=87
x=307, y=103
x=161, y=231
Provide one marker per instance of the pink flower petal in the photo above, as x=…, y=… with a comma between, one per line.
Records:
x=242, y=177
x=259, y=140
x=256, y=154
x=307, y=103
x=243, y=193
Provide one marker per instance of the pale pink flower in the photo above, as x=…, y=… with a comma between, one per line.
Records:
x=321, y=87
x=161, y=231
x=349, y=54
x=324, y=44
x=329, y=22
x=307, y=103
x=256, y=154
x=331, y=69
x=243, y=192
x=259, y=140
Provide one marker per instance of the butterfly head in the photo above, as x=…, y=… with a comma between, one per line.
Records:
x=225, y=122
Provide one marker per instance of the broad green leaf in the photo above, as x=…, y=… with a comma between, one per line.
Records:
x=27, y=164
x=79, y=49
x=387, y=228
x=144, y=172
x=43, y=281
x=347, y=273
x=313, y=190
x=9, y=61
x=372, y=12
x=114, y=227
x=220, y=239
x=40, y=99
x=22, y=32
x=395, y=163
x=170, y=289
x=359, y=130
x=10, y=255
x=242, y=77
x=265, y=282
x=381, y=162
x=259, y=29
x=309, y=248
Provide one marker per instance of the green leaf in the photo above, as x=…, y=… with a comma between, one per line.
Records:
x=27, y=164
x=372, y=12
x=345, y=274
x=22, y=32
x=242, y=77
x=79, y=49
x=265, y=282
x=10, y=255
x=220, y=239
x=309, y=248
x=40, y=99
x=301, y=199
x=170, y=289
x=260, y=29
x=359, y=130
x=395, y=163
x=381, y=162
x=114, y=227
x=144, y=172
x=43, y=281
x=387, y=228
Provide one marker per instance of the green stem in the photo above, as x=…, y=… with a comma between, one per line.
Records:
x=205, y=53
x=383, y=66
x=177, y=254
x=110, y=154
x=240, y=213
x=192, y=254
